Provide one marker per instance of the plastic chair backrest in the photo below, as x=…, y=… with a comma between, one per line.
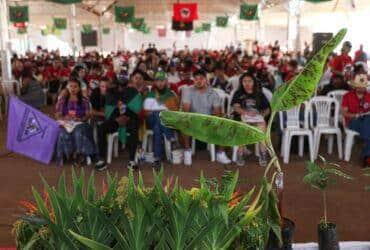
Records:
x=225, y=98
x=293, y=117
x=321, y=112
x=267, y=93
x=337, y=95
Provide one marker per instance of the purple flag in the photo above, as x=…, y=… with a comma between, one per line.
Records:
x=30, y=132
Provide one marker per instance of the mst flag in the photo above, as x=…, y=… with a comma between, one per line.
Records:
x=60, y=23
x=87, y=28
x=185, y=12
x=124, y=14
x=249, y=12
x=182, y=26
x=221, y=21
x=30, y=132
x=206, y=26
x=66, y=1
x=18, y=14
x=138, y=23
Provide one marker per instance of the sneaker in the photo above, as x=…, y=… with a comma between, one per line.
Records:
x=263, y=159
x=187, y=157
x=157, y=164
x=240, y=162
x=222, y=158
x=101, y=165
x=132, y=165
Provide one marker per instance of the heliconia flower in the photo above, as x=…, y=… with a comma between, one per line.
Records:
x=32, y=209
x=235, y=199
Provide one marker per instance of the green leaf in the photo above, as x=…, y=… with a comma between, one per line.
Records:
x=212, y=129
x=302, y=87
x=89, y=243
x=338, y=173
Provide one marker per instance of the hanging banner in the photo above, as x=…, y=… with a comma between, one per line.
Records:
x=138, y=23
x=182, y=26
x=124, y=14
x=162, y=32
x=206, y=26
x=221, y=21
x=65, y=1
x=249, y=12
x=60, y=23
x=185, y=12
x=18, y=14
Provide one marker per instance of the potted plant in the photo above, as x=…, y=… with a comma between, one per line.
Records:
x=229, y=133
x=320, y=176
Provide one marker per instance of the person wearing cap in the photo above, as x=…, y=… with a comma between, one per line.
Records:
x=161, y=97
x=356, y=111
x=341, y=61
x=203, y=99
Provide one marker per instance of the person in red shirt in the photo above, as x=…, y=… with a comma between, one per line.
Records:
x=356, y=111
x=341, y=61
x=360, y=55
x=185, y=80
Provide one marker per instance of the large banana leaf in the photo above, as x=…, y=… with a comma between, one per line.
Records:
x=303, y=85
x=212, y=129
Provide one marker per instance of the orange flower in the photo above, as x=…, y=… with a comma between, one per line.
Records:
x=32, y=209
x=235, y=199
x=105, y=187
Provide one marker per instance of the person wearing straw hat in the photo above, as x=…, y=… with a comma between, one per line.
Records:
x=356, y=111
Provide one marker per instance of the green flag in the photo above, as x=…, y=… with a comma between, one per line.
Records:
x=317, y=1
x=124, y=14
x=106, y=31
x=145, y=29
x=136, y=104
x=198, y=30
x=66, y=1
x=44, y=32
x=206, y=26
x=221, y=21
x=87, y=28
x=60, y=23
x=249, y=12
x=18, y=14
x=22, y=31
x=138, y=23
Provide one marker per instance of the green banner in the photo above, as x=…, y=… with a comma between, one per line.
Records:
x=22, y=31
x=65, y=1
x=206, y=26
x=87, y=28
x=249, y=12
x=18, y=14
x=222, y=21
x=198, y=30
x=124, y=14
x=106, y=31
x=60, y=23
x=138, y=23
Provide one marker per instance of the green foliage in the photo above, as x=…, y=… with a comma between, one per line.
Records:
x=302, y=87
x=129, y=215
x=211, y=129
x=321, y=176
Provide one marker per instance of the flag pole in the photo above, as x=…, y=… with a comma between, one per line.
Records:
x=73, y=29
x=5, y=42
x=100, y=34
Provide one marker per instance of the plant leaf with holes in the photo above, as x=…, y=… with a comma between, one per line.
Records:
x=212, y=129
x=302, y=87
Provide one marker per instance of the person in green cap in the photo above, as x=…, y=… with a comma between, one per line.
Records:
x=158, y=99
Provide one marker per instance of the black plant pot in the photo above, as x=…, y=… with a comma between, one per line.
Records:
x=287, y=233
x=328, y=238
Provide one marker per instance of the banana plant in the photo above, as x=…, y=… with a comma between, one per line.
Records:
x=224, y=132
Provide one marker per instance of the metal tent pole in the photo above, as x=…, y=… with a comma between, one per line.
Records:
x=5, y=42
x=73, y=29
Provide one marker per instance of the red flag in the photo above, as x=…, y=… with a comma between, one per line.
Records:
x=162, y=32
x=185, y=12
x=20, y=25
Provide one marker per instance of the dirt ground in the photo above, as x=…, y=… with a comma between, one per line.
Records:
x=348, y=202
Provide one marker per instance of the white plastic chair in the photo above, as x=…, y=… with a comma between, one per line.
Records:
x=235, y=152
x=294, y=127
x=210, y=147
x=225, y=99
x=148, y=144
x=112, y=144
x=322, y=121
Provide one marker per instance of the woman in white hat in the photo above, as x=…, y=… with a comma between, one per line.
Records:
x=356, y=111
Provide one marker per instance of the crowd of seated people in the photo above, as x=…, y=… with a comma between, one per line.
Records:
x=125, y=91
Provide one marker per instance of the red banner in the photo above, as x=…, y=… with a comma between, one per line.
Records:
x=20, y=25
x=185, y=12
x=162, y=32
